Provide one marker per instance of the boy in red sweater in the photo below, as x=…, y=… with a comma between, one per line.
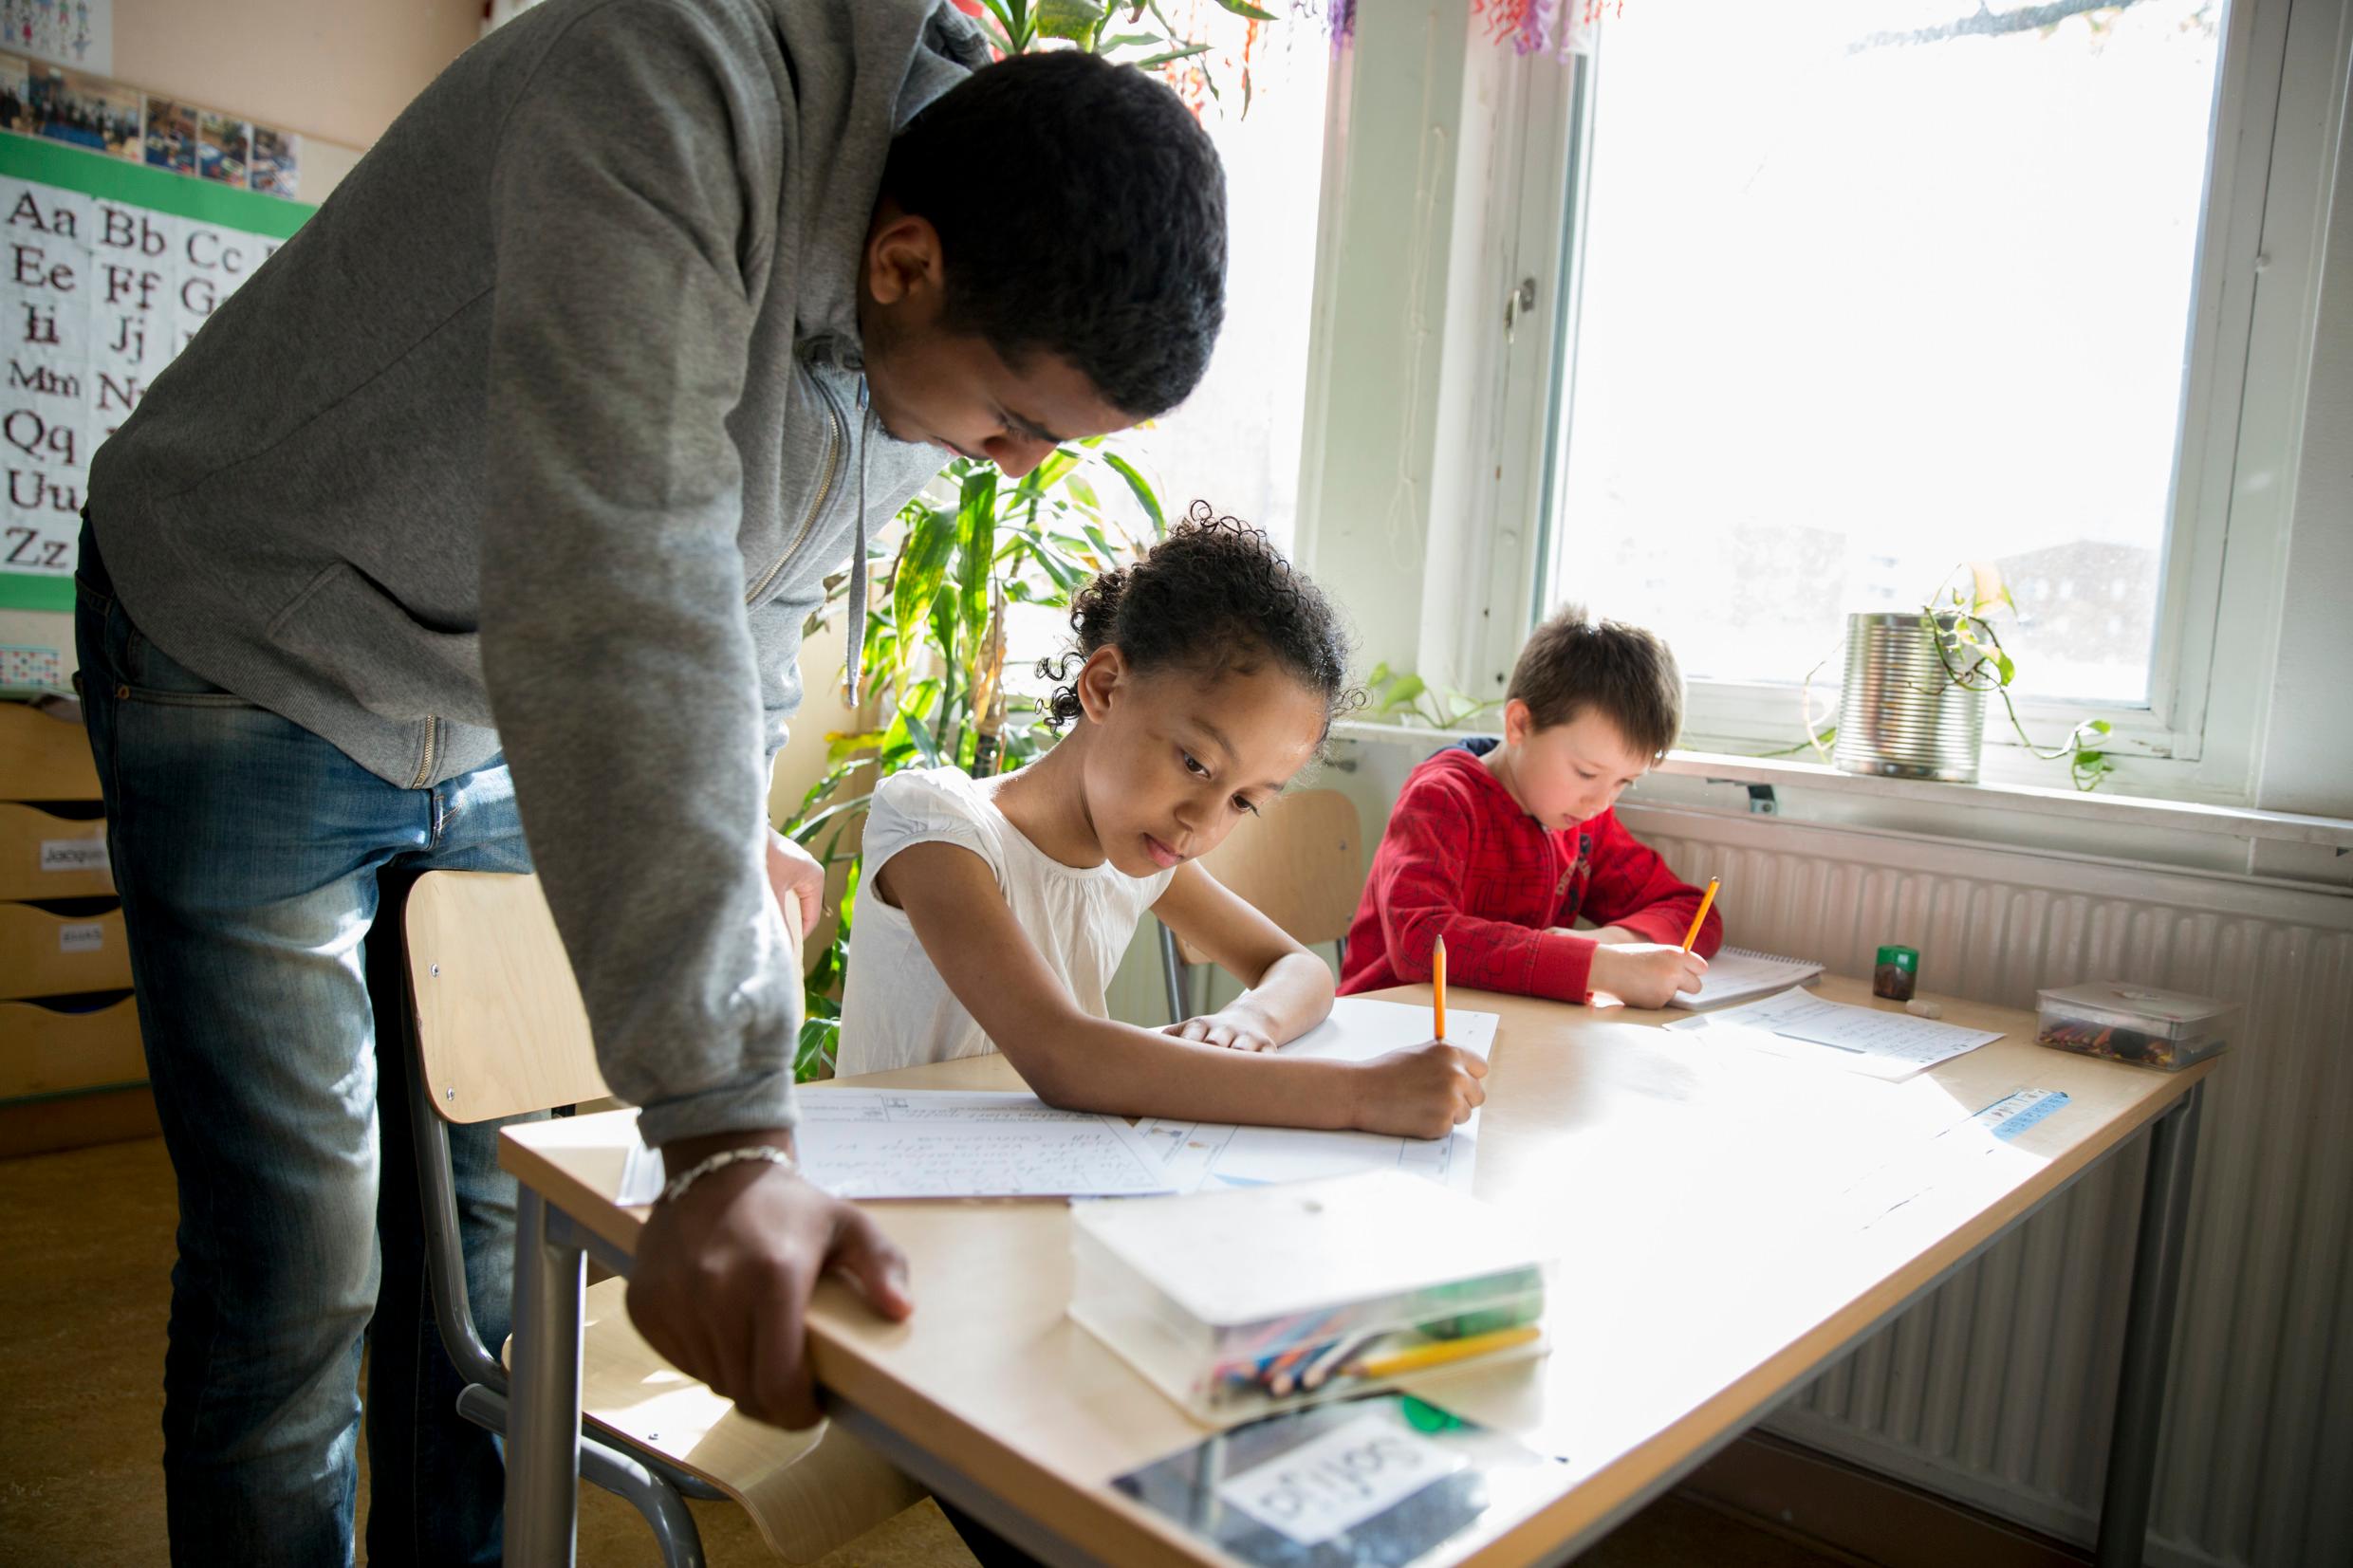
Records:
x=1501, y=846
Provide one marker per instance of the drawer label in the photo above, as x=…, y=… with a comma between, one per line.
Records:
x=87, y=936
x=71, y=855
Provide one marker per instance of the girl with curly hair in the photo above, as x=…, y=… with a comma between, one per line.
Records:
x=992, y=912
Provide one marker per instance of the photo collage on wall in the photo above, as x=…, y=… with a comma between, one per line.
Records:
x=41, y=99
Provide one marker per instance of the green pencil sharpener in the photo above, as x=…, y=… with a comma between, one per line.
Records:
x=1896, y=973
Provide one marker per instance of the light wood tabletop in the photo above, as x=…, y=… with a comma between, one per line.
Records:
x=1726, y=1223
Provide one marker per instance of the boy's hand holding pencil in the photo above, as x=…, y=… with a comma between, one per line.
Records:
x=1648, y=974
x=1645, y=974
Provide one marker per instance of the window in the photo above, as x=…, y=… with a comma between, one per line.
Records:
x=1868, y=291
x=1235, y=443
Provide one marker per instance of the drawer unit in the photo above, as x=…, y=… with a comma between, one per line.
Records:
x=71, y=1069
x=47, y=953
x=47, y=1050
x=43, y=758
x=46, y=855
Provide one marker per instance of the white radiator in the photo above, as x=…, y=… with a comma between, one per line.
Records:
x=1997, y=1389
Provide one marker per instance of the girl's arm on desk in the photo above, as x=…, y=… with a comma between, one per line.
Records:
x=1082, y=1062
x=1290, y=990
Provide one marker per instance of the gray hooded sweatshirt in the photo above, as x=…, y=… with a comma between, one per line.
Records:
x=540, y=438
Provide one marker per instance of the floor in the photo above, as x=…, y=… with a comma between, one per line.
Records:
x=86, y=1237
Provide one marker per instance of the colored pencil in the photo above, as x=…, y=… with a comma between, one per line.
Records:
x=1438, y=984
x=1701, y=919
x=1439, y=1352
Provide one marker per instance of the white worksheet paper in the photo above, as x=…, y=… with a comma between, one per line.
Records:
x=938, y=1143
x=1737, y=974
x=1194, y=1155
x=1859, y=1040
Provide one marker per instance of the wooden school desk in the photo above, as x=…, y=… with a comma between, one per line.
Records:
x=1726, y=1224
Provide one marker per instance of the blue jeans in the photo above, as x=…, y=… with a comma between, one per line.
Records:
x=248, y=851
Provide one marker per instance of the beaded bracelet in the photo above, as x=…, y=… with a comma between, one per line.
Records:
x=771, y=1154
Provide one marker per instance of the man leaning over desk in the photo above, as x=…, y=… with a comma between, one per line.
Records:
x=489, y=511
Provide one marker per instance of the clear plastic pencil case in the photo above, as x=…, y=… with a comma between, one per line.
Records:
x=2168, y=1030
x=1246, y=1300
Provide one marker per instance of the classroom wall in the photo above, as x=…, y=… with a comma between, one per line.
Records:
x=340, y=69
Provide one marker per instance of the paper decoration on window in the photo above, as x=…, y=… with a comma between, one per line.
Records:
x=1557, y=28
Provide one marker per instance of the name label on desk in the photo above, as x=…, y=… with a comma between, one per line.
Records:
x=2014, y=1114
x=87, y=937
x=1339, y=1479
x=71, y=855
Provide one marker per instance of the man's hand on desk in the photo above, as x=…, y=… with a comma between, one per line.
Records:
x=724, y=1273
x=1644, y=974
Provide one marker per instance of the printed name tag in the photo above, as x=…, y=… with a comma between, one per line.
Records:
x=80, y=938
x=1340, y=1480
x=74, y=855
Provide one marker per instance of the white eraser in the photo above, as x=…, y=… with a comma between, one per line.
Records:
x=1923, y=1009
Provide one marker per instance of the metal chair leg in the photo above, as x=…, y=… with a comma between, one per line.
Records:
x=680, y=1543
x=1173, y=971
x=645, y=1486
x=543, y=1441
x=2148, y=1336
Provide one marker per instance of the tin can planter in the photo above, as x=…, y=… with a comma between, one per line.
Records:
x=1902, y=716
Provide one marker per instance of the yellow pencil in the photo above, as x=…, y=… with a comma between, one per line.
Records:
x=1437, y=985
x=1439, y=1352
x=1701, y=919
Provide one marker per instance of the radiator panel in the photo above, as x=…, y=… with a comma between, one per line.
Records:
x=1999, y=1389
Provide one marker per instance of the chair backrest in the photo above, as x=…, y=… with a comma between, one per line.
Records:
x=1302, y=862
x=500, y=1026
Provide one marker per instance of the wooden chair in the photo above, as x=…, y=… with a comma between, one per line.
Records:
x=1302, y=862
x=498, y=1029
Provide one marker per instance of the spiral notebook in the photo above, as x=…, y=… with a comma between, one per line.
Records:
x=1737, y=974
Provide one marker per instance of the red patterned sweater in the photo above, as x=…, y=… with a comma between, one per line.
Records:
x=1462, y=860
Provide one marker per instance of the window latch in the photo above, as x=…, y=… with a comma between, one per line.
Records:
x=1761, y=800
x=1517, y=303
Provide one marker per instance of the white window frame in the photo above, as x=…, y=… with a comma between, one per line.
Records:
x=2279, y=95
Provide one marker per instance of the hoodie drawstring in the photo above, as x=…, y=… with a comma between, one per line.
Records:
x=854, y=658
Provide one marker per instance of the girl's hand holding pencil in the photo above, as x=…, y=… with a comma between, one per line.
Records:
x=1421, y=1091
x=1430, y=1089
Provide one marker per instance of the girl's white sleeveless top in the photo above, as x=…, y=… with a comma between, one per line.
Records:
x=898, y=1011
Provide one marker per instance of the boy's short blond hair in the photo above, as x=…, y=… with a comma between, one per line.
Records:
x=1627, y=674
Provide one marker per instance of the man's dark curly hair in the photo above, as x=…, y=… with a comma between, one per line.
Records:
x=1215, y=595
x=1081, y=211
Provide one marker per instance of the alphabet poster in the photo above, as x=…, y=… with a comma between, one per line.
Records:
x=107, y=269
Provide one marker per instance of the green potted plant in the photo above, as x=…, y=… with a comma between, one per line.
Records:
x=971, y=546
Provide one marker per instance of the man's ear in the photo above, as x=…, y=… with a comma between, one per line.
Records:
x=1099, y=682
x=902, y=257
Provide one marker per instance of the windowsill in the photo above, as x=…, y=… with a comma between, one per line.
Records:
x=2113, y=812
x=2242, y=823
